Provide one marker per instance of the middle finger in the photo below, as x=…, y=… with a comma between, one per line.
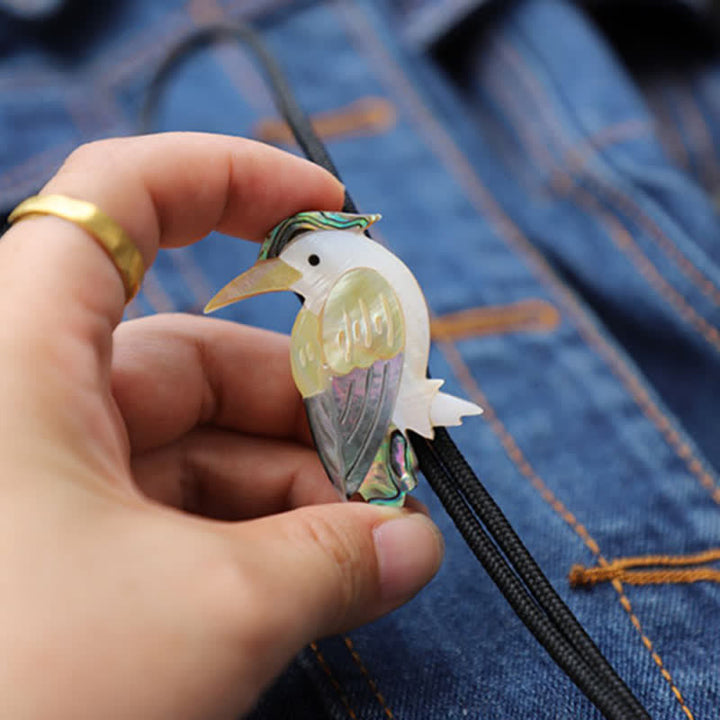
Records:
x=171, y=373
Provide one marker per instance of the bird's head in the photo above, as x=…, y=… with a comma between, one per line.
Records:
x=305, y=253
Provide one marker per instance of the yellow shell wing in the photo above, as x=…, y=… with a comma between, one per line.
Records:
x=306, y=355
x=361, y=322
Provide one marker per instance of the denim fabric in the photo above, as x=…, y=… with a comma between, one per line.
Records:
x=534, y=166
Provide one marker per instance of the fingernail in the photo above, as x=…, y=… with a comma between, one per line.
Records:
x=409, y=552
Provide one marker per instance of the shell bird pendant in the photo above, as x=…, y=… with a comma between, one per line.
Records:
x=358, y=350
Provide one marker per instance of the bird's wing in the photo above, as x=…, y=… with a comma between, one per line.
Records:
x=347, y=365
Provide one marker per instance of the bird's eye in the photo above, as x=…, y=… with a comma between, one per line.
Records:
x=314, y=259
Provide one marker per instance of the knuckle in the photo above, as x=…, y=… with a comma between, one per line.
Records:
x=93, y=153
x=86, y=152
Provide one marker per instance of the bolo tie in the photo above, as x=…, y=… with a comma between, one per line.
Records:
x=353, y=363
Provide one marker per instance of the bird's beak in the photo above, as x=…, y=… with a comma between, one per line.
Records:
x=263, y=277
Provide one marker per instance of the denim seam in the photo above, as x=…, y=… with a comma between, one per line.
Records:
x=516, y=455
x=107, y=81
x=604, y=186
x=622, y=239
x=668, y=132
x=325, y=667
x=703, y=151
x=690, y=126
x=581, y=152
x=368, y=678
x=564, y=184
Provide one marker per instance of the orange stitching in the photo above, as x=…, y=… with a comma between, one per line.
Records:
x=706, y=556
x=580, y=576
x=706, y=285
x=323, y=663
x=620, y=569
x=365, y=116
x=622, y=238
x=667, y=130
x=371, y=683
x=624, y=203
x=578, y=154
x=495, y=319
x=516, y=455
x=701, y=138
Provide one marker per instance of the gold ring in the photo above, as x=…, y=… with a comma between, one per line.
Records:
x=111, y=237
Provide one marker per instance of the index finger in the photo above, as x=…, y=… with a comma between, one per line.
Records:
x=164, y=190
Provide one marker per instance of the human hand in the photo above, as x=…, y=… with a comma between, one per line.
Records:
x=169, y=538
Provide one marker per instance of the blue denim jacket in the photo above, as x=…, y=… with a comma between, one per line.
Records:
x=557, y=206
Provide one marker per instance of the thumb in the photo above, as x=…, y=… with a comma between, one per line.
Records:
x=320, y=570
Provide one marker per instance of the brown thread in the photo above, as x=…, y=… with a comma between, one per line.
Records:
x=365, y=116
x=580, y=576
x=494, y=320
x=577, y=155
x=620, y=569
x=323, y=663
x=623, y=240
x=667, y=130
x=371, y=683
x=623, y=202
x=706, y=556
x=701, y=138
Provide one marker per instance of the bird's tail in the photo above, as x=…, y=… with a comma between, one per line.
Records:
x=448, y=410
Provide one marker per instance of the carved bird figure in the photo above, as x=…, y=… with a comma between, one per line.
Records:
x=359, y=349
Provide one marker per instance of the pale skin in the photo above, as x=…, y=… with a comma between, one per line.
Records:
x=169, y=539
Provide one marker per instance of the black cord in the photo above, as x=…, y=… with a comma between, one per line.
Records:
x=512, y=584
x=447, y=471
x=480, y=521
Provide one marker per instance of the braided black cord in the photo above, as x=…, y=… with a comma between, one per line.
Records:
x=578, y=669
x=454, y=470
x=501, y=552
